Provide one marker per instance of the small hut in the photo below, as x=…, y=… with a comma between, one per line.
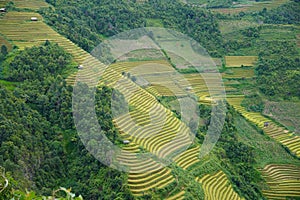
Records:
x=189, y=88
x=80, y=67
x=33, y=18
x=126, y=141
x=266, y=124
x=2, y=9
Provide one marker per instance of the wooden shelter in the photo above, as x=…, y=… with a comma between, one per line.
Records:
x=266, y=124
x=126, y=141
x=34, y=19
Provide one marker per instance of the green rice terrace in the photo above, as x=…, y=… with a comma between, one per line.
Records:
x=282, y=181
x=257, y=155
x=217, y=187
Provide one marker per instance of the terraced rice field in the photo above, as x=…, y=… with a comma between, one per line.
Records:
x=3, y=3
x=163, y=80
x=143, y=67
x=165, y=87
x=178, y=196
x=141, y=183
x=159, y=77
x=159, y=90
x=164, y=135
x=139, y=128
x=238, y=73
x=144, y=174
x=251, y=6
x=28, y=4
x=287, y=113
x=280, y=134
x=217, y=186
x=162, y=138
x=229, y=26
x=199, y=86
x=238, y=61
x=283, y=181
x=161, y=134
x=18, y=28
x=188, y=158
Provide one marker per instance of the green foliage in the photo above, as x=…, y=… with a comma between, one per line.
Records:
x=189, y=70
x=267, y=151
x=277, y=41
x=30, y=195
x=171, y=102
x=197, y=23
x=4, y=50
x=213, y=4
x=8, y=85
x=104, y=106
x=39, y=144
x=279, y=76
x=185, y=180
x=205, y=114
x=251, y=32
x=52, y=59
x=239, y=161
x=85, y=22
x=288, y=13
x=118, y=104
x=253, y=103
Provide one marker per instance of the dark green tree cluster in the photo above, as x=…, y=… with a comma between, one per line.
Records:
x=251, y=32
x=3, y=52
x=238, y=159
x=288, y=13
x=198, y=23
x=253, y=103
x=275, y=49
x=39, y=145
x=279, y=76
x=52, y=60
x=87, y=23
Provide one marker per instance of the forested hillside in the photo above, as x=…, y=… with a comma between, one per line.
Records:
x=279, y=77
x=254, y=47
x=285, y=14
x=39, y=145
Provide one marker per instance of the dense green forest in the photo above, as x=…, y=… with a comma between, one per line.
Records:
x=38, y=133
x=285, y=14
x=279, y=77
